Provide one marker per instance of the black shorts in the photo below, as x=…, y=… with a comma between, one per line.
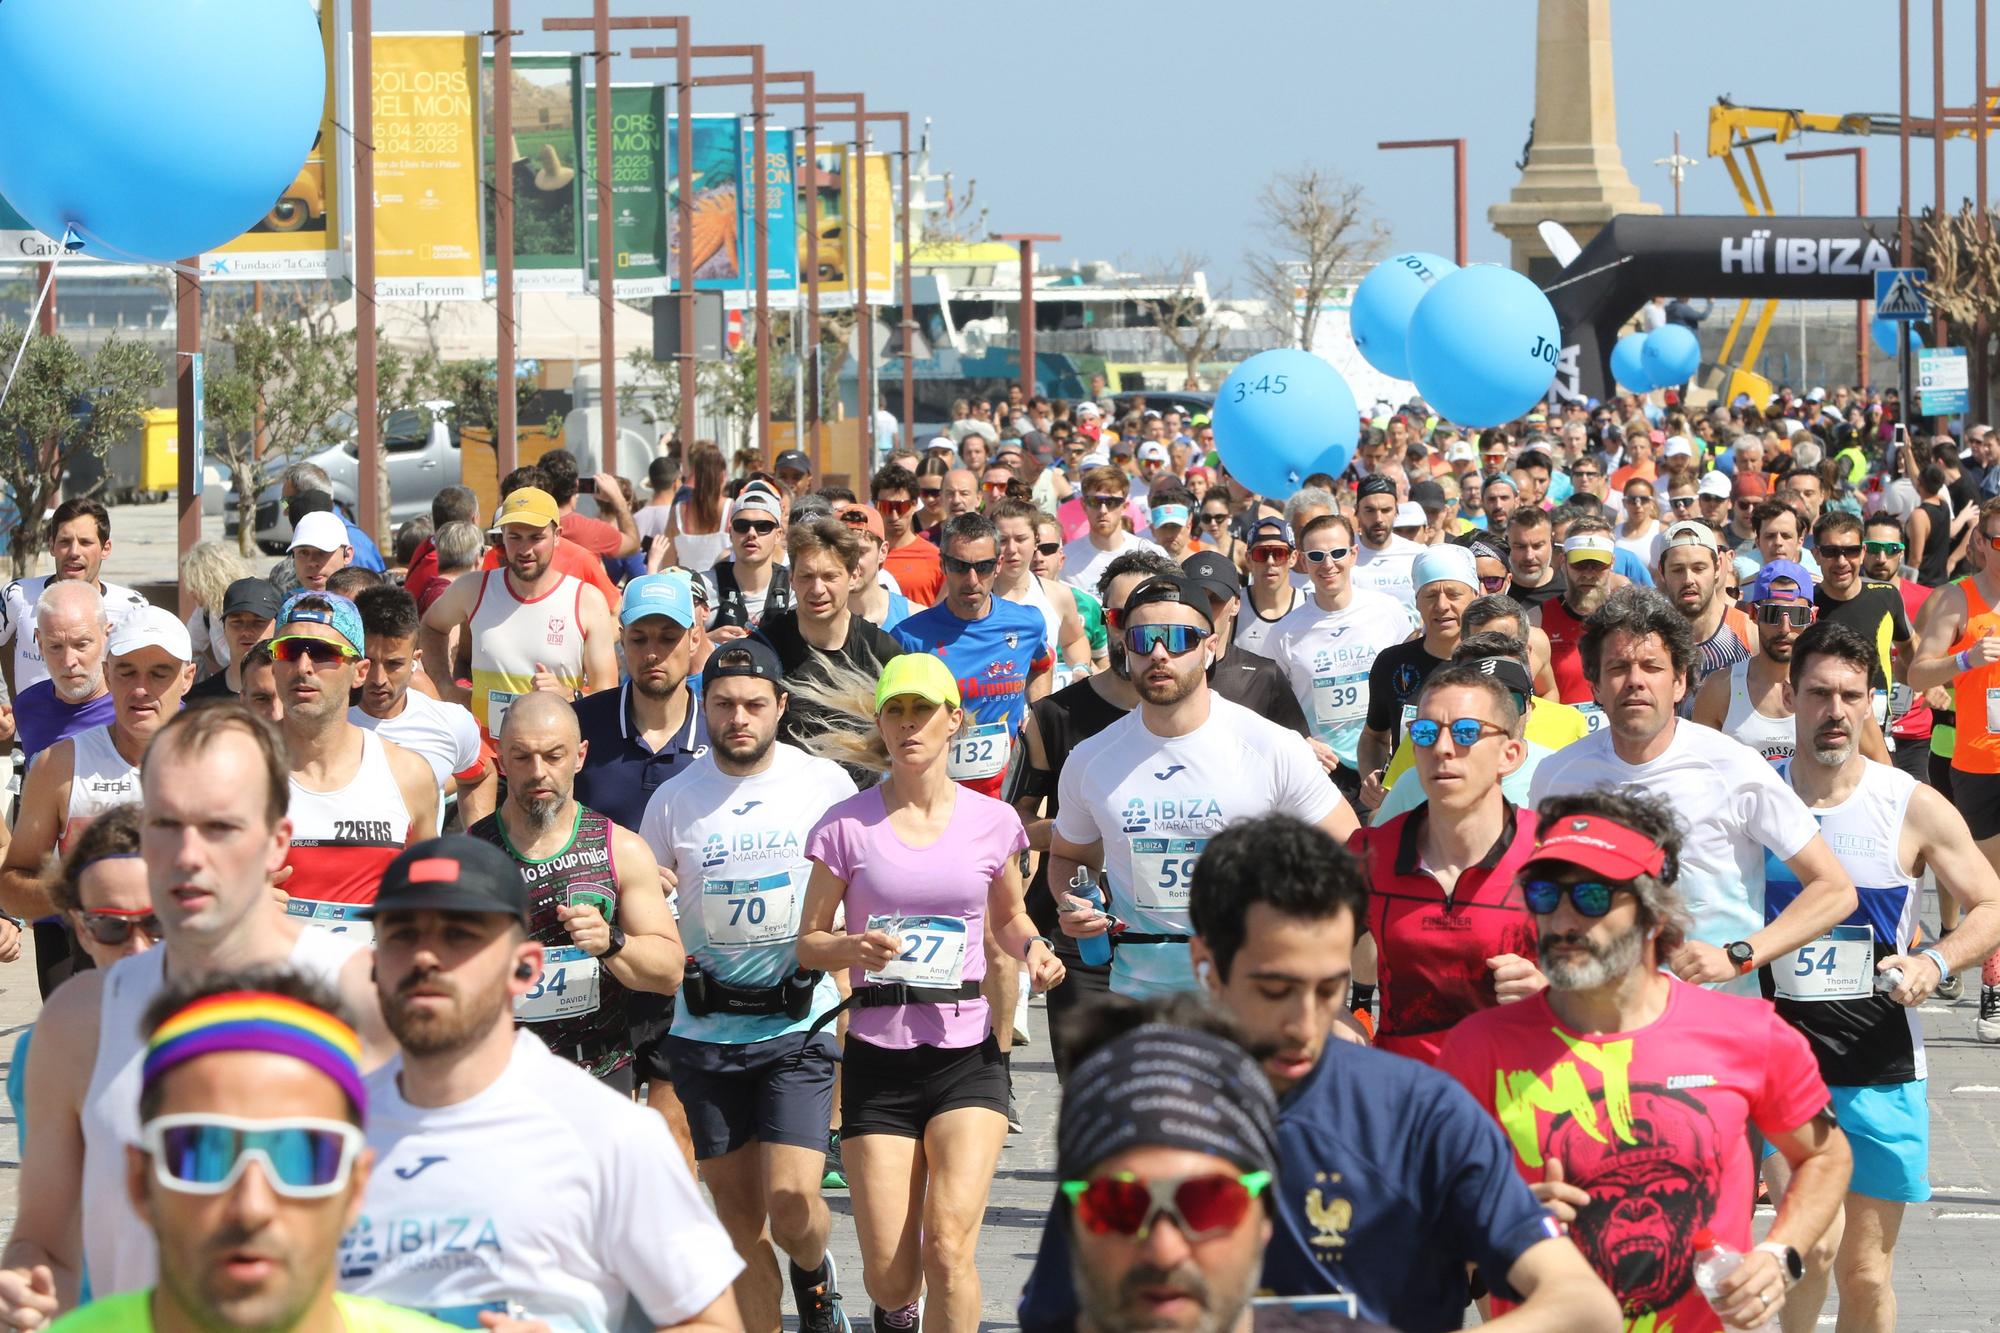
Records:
x=776, y=1091
x=1913, y=757
x=884, y=1091
x=1977, y=796
x=651, y=1014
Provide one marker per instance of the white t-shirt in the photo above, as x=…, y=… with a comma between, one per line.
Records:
x=1083, y=563
x=446, y=735
x=1732, y=805
x=1645, y=546
x=737, y=846
x=1254, y=632
x=1388, y=570
x=17, y=622
x=652, y=520
x=1326, y=656
x=1154, y=802
x=547, y=1189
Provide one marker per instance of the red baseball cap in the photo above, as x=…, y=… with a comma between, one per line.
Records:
x=1601, y=845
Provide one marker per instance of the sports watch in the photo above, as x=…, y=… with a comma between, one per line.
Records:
x=1741, y=956
x=617, y=943
x=1788, y=1259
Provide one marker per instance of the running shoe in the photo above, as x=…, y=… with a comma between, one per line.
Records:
x=817, y=1299
x=833, y=1179
x=1951, y=989
x=1988, y=1026
x=901, y=1321
x=1013, y=1114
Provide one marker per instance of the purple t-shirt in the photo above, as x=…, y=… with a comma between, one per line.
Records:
x=946, y=882
x=41, y=718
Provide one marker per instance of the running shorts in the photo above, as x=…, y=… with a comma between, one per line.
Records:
x=1889, y=1128
x=775, y=1091
x=1977, y=796
x=886, y=1091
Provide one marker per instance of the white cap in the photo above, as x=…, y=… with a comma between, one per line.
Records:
x=1087, y=408
x=321, y=530
x=1409, y=514
x=1096, y=458
x=1678, y=446
x=941, y=442
x=1153, y=452
x=1815, y=394
x=1461, y=451
x=156, y=627
x=1714, y=484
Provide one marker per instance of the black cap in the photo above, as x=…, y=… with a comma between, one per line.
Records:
x=743, y=657
x=1178, y=589
x=452, y=874
x=794, y=459
x=1374, y=484
x=1429, y=494
x=257, y=597
x=1214, y=572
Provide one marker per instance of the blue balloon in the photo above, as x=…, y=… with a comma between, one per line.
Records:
x=1884, y=333
x=1483, y=345
x=1282, y=416
x=156, y=130
x=1672, y=354
x=1628, y=365
x=1384, y=302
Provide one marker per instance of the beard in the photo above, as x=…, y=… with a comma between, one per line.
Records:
x=1833, y=755
x=541, y=812
x=1585, y=598
x=747, y=752
x=429, y=1032
x=1606, y=963
x=1120, y=1311
x=1168, y=693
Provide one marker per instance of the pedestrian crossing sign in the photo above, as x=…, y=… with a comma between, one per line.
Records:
x=1899, y=294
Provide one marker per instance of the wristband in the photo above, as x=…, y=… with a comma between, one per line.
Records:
x=1038, y=939
x=1937, y=960
x=1964, y=660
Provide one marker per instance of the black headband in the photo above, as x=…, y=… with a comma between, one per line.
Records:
x=1161, y=1086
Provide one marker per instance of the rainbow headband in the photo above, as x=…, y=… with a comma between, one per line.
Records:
x=259, y=1021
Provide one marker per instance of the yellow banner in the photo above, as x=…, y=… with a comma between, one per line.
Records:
x=427, y=142
x=881, y=228
x=299, y=239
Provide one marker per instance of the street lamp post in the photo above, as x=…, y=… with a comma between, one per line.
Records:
x=1457, y=147
x=1860, y=156
x=1026, y=240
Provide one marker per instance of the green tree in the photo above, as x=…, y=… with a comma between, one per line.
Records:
x=288, y=379
x=63, y=409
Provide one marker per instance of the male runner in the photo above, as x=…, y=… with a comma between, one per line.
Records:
x=650, y=728
x=1140, y=799
x=1105, y=491
x=79, y=536
x=906, y=555
x=356, y=799
x=1446, y=579
x=1750, y=701
x=1636, y=653
x=1274, y=589
x=1532, y=566
x=821, y=633
x=1587, y=551
x=751, y=583
x=1239, y=674
x=249, y=609
x=506, y=1179
x=595, y=899
x=319, y=550
x=1872, y=609
x=1691, y=577
x=1381, y=558
x=1913, y=718
x=444, y=735
x=1628, y=1095
x=757, y=1082
x=71, y=634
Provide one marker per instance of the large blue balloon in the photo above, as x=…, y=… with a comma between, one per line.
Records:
x=1384, y=302
x=1884, y=333
x=1282, y=416
x=1483, y=345
x=156, y=128
x=1672, y=354
x=1628, y=364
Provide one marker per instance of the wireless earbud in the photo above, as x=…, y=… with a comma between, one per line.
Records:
x=525, y=972
x=1205, y=971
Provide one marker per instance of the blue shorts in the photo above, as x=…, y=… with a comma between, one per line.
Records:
x=1889, y=1128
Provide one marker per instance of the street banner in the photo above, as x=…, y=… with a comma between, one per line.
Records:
x=638, y=190
x=717, y=179
x=1944, y=385
x=545, y=172
x=826, y=252
x=299, y=239
x=427, y=245
x=883, y=249
x=19, y=239
x=780, y=207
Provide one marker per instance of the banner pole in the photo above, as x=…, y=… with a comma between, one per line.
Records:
x=366, y=442
x=506, y=423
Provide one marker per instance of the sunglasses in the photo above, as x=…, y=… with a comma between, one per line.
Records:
x=1466, y=732
x=1840, y=552
x=996, y=488
x=1590, y=897
x=322, y=652
x=1215, y=520
x=1682, y=502
x=1992, y=539
x=1200, y=1206
x=1331, y=553
x=1584, y=474
x=1883, y=548
x=201, y=1153
x=854, y=518
x=1140, y=640
x=983, y=568
x=895, y=508
x=1048, y=548
x=930, y=492
x=1492, y=582
x=1796, y=614
x=1270, y=555
x=1638, y=499
x=763, y=527
x=1105, y=501
x=113, y=928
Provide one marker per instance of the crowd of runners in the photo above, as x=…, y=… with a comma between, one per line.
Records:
x=1475, y=877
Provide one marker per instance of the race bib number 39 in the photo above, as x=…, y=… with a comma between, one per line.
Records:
x=1839, y=965
x=750, y=911
x=567, y=987
x=1163, y=872
x=341, y=919
x=930, y=950
x=978, y=752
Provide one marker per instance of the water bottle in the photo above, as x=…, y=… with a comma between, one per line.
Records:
x=1714, y=1261
x=1092, y=949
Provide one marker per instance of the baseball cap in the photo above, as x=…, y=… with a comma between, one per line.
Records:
x=1760, y=588
x=1600, y=845
x=794, y=459
x=941, y=442
x=1270, y=530
x=744, y=657
x=1750, y=485
x=1409, y=514
x=253, y=596
x=1715, y=485
x=922, y=674
x=1445, y=564
x=337, y=613
x=1087, y=408
x=865, y=517
x=756, y=497
x=1815, y=394
x=454, y=873
x=1214, y=572
x=1461, y=451
x=531, y=506
x=658, y=595
x=1677, y=447
x=1596, y=546
x=1006, y=447
x=1173, y=589
x=1153, y=452
x=151, y=627
x=1429, y=495
x=1687, y=533
x=1121, y=447
x=697, y=586
x=1170, y=516
x=1095, y=458
x=322, y=531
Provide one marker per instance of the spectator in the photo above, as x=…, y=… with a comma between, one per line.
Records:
x=619, y=537
x=453, y=504
x=207, y=570
x=307, y=479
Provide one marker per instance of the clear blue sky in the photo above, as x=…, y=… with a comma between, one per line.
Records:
x=1138, y=129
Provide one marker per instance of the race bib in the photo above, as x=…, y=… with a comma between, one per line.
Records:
x=1163, y=872
x=931, y=951
x=342, y=919
x=1594, y=719
x=567, y=987
x=1993, y=710
x=1340, y=705
x=750, y=911
x=1901, y=700
x=1839, y=965
x=1881, y=704
x=979, y=751
x=497, y=704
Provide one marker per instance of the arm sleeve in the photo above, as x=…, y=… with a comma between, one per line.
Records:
x=1475, y=1188
x=663, y=1241
x=1382, y=711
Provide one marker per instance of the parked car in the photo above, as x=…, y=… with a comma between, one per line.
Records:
x=420, y=448
x=1189, y=401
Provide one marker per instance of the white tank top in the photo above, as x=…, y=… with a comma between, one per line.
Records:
x=118, y=1247
x=343, y=840
x=103, y=779
x=509, y=636
x=1773, y=737
x=698, y=551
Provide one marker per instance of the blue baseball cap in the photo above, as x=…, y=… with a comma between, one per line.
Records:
x=1760, y=589
x=337, y=613
x=666, y=595
x=1270, y=530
